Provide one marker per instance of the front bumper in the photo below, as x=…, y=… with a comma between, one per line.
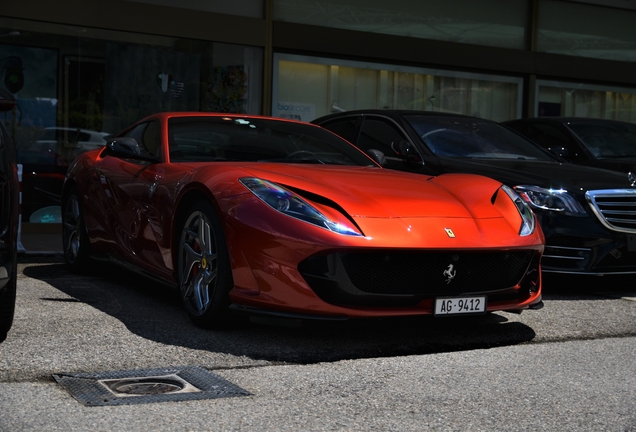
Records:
x=584, y=246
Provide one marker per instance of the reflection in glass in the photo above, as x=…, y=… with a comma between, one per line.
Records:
x=310, y=87
x=76, y=87
x=585, y=100
x=487, y=22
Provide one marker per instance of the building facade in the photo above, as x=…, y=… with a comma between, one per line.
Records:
x=82, y=70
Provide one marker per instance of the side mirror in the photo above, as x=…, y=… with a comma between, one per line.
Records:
x=124, y=147
x=127, y=148
x=377, y=156
x=407, y=152
x=402, y=148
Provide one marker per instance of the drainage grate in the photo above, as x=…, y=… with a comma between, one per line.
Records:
x=147, y=386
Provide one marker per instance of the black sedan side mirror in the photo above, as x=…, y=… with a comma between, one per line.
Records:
x=127, y=148
x=407, y=152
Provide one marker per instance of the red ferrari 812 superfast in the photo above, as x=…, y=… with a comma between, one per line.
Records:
x=265, y=215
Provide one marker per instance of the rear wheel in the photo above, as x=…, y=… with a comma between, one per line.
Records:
x=204, y=273
x=74, y=236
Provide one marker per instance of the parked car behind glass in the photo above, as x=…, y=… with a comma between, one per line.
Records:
x=45, y=163
x=8, y=220
x=601, y=143
x=588, y=215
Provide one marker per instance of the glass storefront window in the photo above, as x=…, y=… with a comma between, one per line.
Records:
x=499, y=23
x=586, y=30
x=76, y=87
x=585, y=100
x=306, y=88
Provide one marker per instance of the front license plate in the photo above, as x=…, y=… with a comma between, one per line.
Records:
x=460, y=305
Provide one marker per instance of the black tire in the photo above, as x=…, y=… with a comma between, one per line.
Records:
x=7, y=302
x=203, y=267
x=74, y=237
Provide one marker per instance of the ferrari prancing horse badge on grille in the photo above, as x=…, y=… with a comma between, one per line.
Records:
x=450, y=273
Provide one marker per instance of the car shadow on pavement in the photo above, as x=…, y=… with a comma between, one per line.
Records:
x=154, y=312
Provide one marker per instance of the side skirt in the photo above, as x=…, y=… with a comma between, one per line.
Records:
x=133, y=268
x=273, y=313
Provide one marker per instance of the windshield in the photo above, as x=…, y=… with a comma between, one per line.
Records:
x=607, y=140
x=459, y=137
x=208, y=139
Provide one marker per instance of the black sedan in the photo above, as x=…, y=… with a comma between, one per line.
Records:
x=8, y=220
x=609, y=144
x=588, y=215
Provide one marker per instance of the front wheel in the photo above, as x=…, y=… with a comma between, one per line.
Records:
x=204, y=273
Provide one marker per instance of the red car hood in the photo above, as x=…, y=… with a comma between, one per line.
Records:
x=374, y=192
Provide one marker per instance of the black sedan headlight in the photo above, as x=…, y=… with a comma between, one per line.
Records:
x=555, y=200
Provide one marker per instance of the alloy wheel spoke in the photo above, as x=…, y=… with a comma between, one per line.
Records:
x=75, y=211
x=205, y=235
x=200, y=291
x=190, y=259
x=209, y=276
x=72, y=227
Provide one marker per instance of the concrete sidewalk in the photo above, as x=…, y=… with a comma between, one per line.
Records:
x=41, y=238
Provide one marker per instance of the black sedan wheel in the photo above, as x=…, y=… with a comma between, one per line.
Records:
x=204, y=273
x=74, y=237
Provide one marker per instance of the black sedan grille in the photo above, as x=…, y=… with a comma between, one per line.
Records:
x=415, y=275
x=616, y=209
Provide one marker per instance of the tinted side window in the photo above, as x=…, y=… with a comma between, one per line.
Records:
x=346, y=128
x=379, y=134
x=83, y=136
x=551, y=138
x=547, y=134
x=147, y=136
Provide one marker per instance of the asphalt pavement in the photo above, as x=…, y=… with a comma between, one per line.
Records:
x=567, y=366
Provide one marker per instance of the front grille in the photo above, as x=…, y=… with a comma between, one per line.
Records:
x=415, y=274
x=615, y=208
x=566, y=257
x=424, y=273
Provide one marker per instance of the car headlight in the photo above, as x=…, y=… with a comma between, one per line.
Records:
x=290, y=204
x=527, y=217
x=556, y=200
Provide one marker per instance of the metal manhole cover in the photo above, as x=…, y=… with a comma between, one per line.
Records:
x=147, y=386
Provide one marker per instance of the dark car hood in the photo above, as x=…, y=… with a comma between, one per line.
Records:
x=625, y=164
x=552, y=175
